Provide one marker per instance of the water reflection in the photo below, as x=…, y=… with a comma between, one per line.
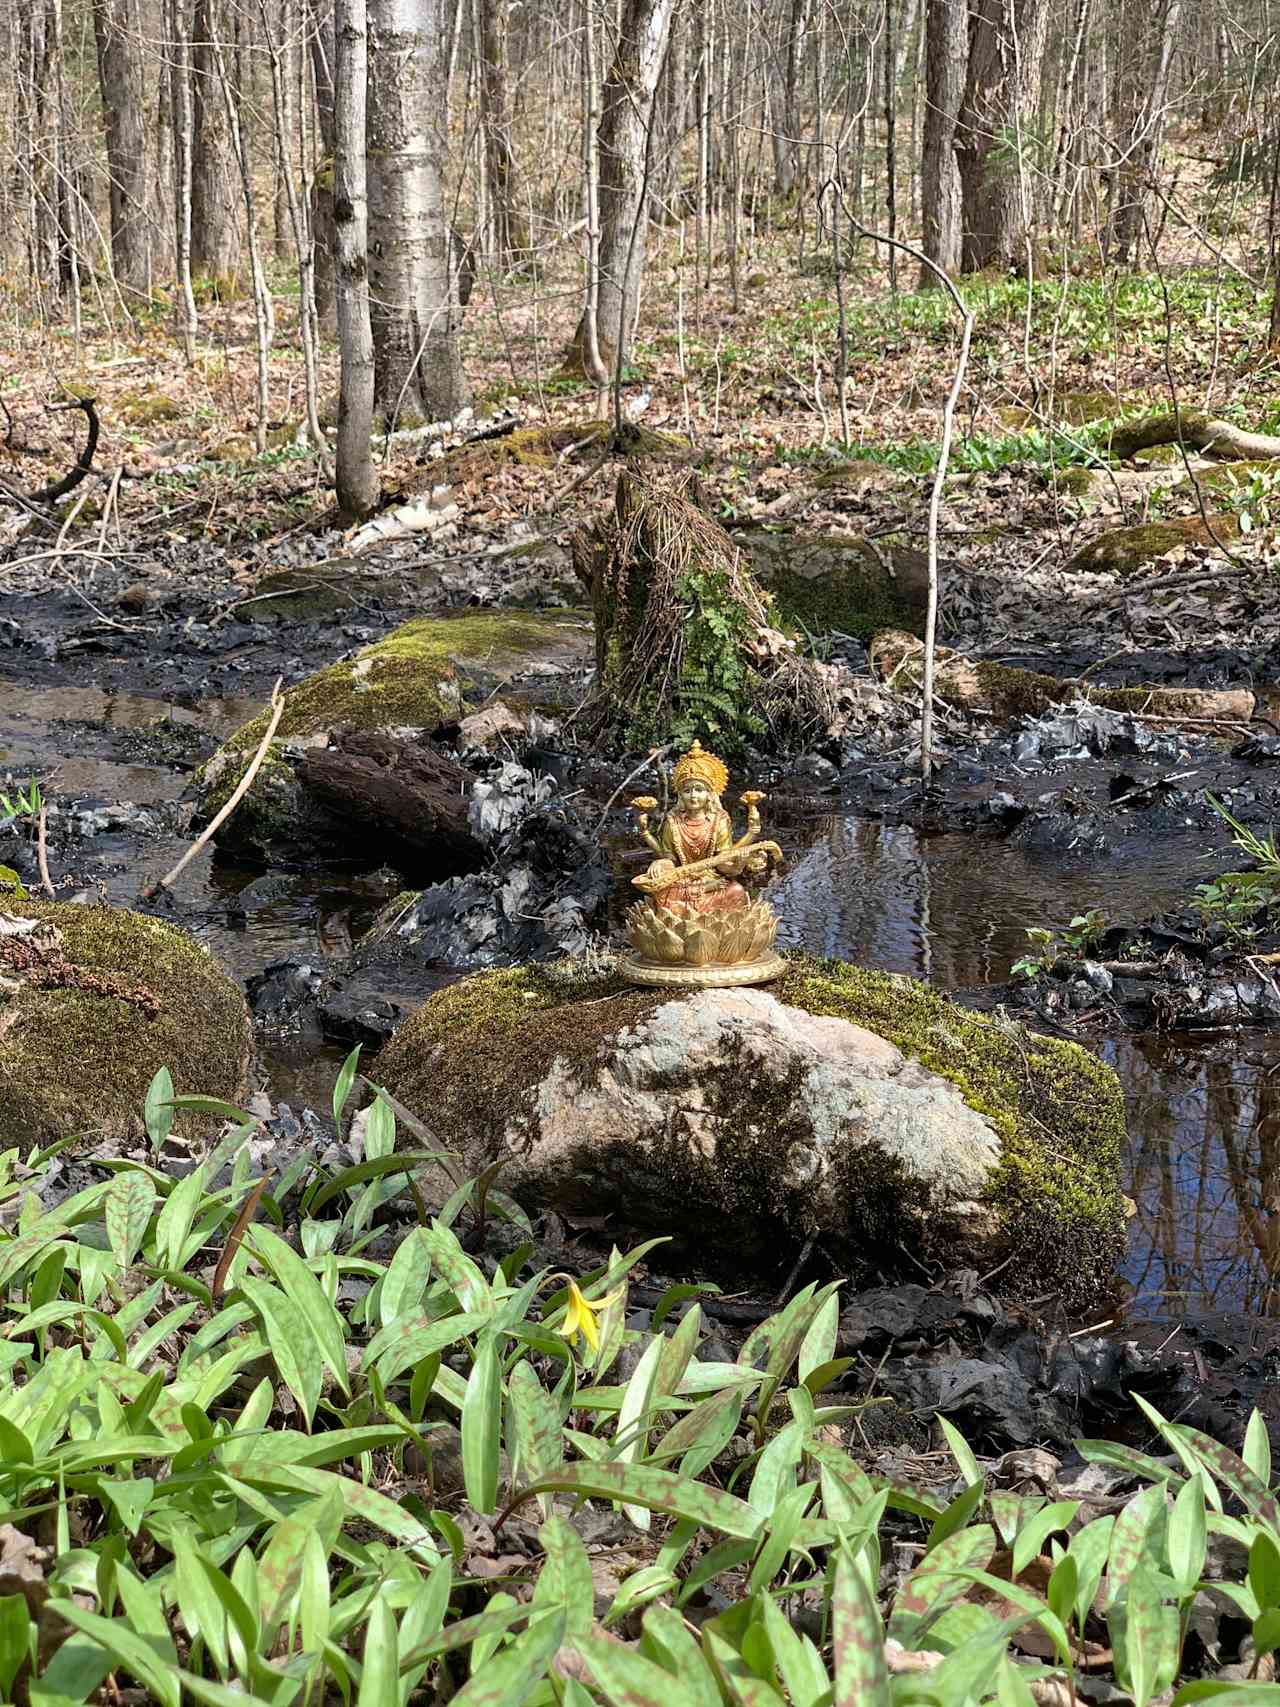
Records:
x=1203, y=1152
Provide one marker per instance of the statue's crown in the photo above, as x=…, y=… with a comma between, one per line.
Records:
x=698, y=766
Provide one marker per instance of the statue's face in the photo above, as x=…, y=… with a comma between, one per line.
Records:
x=696, y=797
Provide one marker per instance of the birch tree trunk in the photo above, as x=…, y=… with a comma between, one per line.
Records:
x=413, y=283
x=355, y=476
x=1006, y=45
x=622, y=142
x=215, y=239
x=946, y=56
x=115, y=29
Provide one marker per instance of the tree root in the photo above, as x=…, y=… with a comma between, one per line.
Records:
x=1196, y=431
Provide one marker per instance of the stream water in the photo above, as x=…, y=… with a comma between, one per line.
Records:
x=1203, y=1152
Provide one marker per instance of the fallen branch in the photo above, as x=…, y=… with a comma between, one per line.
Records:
x=42, y=854
x=241, y=789
x=1202, y=432
x=83, y=463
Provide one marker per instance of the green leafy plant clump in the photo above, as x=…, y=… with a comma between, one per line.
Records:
x=244, y=1460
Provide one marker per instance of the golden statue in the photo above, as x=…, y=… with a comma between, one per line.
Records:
x=697, y=926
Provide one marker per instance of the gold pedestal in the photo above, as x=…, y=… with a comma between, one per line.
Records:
x=709, y=976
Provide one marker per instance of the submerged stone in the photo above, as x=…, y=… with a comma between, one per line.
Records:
x=854, y=1107
x=93, y=1001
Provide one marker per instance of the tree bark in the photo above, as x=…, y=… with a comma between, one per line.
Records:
x=788, y=57
x=1142, y=89
x=320, y=33
x=1006, y=44
x=115, y=28
x=621, y=140
x=508, y=232
x=356, y=478
x=946, y=54
x=215, y=239
x=412, y=278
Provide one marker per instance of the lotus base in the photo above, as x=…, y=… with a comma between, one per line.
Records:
x=708, y=976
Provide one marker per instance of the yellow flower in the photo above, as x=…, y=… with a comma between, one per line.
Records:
x=581, y=1313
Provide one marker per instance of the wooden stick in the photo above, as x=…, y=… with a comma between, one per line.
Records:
x=42, y=854
x=241, y=789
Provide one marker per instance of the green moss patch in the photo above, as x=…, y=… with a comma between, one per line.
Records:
x=11, y=884
x=468, y=1060
x=1125, y=550
x=78, y=1052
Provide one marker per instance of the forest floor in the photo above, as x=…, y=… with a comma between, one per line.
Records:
x=157, y=619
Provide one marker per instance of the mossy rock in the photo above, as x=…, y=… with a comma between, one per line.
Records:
x=834, y=582
x=415, y=678
x=1123, y=551
x=311, y=593
x=147, y=408
x=1070, y=408
x=85, y=1028
x=11, y=884
x=480, y=1059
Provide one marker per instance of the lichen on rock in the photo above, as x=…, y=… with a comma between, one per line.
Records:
x=93, y=1001
x=852, y=1106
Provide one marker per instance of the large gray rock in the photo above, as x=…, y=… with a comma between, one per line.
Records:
x=853, y=1107
x=848, y=1091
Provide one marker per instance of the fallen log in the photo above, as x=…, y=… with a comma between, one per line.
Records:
x=1005, y=692
x=402, y=798
x=1195, y=430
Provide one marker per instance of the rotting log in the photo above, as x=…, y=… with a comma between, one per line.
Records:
x=1005, y=692
x=1195, y=430
x=405, y=800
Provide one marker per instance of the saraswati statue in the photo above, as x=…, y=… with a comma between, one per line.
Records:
x=697, y=925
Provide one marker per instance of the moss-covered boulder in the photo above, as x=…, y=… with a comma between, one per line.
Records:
x=852, y=1106
x=831, y=582
x=93, y=1001
x=421, y=675
x=1123, y=551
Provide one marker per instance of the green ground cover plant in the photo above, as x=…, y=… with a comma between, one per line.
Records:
x=244, y=1459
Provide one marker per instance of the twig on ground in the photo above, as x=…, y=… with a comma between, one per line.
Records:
x=42, y=854
x=241, y=789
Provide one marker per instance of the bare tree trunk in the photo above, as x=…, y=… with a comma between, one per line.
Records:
x=355, y=476
x=946, y=57
x=508, y=234
x=413, y=282
x=788, y=56
x=1006, y=45
x=115, y=28
x=320, y=33
x=181, y=103
x=1142, y=92
x=622, y=138
x=215, y=245
x=665, y=201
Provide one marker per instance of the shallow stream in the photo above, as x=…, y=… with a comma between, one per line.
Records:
x=1203, y=1155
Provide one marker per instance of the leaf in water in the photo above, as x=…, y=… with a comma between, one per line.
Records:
x=130, y=1199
